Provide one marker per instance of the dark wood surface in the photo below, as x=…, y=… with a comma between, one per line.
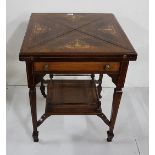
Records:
x=75, y=44
x=69, y=35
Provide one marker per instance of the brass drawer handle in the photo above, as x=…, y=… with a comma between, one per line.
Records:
x=107, y=67
x=46, y=67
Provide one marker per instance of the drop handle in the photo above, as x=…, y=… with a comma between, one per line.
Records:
x=107, y=67
x=46, y=67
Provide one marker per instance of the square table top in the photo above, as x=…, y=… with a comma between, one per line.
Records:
x=75, y=35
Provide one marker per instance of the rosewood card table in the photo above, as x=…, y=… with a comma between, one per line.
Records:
x=75, y=44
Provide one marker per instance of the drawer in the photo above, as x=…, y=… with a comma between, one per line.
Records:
x=77, y=66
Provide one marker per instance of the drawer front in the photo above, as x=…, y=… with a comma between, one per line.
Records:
x=77, y=66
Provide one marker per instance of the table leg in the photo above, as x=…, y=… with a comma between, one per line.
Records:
x=119, y=81
x=99, y=87
x=115, y=106
x=32, y=96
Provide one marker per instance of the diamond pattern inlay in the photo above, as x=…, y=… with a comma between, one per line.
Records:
x=79, y=32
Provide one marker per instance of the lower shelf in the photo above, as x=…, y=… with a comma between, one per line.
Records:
x=72, y=97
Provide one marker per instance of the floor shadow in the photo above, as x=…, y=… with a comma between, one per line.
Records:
x=13, y=67
x=15, y=71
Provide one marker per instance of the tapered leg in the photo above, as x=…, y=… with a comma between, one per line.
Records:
x=32, y=96
x=119, y=81
x=115, y=106
x=99, y=87
x=92, y=76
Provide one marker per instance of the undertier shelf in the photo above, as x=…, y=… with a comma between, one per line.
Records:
x=72, y=97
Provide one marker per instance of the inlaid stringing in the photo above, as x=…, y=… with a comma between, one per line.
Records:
x=109, y=29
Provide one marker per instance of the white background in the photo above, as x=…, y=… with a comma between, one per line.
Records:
x=132, y=15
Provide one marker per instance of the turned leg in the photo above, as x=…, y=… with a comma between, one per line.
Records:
x=119, y=81
x=99, y=87
x=42, y=88
x=51, y=76
x=32, y=96
x=115, y=106
x=92, y=76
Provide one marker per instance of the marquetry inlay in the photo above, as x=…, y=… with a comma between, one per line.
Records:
x=109, y=29
x=77, y=44
x=38, y=29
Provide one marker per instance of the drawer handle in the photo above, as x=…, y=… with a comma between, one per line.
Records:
x=107, y=67
x=46, y=67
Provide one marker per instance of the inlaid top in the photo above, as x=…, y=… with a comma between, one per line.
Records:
x=72, y=35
